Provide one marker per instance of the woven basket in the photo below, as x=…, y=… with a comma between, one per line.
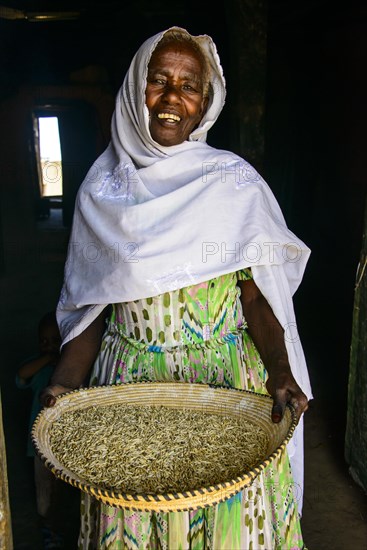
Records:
x=252, y=407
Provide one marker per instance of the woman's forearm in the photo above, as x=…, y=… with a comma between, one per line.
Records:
x=78, y=355
x=268, y=337
x=264, y=328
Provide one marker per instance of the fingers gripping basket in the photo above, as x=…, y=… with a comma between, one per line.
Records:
x=251, y=407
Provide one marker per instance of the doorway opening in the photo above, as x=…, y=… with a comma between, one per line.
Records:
x=47, y=150
x=64, y=141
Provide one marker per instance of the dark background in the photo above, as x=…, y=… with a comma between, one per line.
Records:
x=296, y=108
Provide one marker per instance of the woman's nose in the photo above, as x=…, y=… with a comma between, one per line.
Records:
x=171, y=94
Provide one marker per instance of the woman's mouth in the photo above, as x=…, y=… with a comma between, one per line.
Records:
x=169, y=117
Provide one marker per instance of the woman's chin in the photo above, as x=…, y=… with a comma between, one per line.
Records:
x=167, y=136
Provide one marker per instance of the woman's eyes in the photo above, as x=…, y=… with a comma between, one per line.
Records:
x=162, y=82
x=188, y=87
x=156, y=80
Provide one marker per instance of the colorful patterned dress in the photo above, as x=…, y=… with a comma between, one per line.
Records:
x=194, y=335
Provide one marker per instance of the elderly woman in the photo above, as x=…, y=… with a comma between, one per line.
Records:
x=181, y=267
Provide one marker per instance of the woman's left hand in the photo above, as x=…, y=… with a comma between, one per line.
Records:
x=284, y=389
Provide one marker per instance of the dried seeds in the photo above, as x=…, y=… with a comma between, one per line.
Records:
x=155, y=449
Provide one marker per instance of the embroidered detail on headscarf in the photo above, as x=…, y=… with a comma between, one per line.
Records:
x=117, y=184
x=247, y=174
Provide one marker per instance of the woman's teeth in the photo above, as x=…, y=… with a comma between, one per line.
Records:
x=169, y=116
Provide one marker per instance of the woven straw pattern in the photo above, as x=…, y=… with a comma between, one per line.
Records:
x=250, y=406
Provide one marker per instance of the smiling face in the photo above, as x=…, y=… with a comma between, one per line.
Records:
x=175, y=92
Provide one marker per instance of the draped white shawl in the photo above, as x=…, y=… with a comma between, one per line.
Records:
x=151, y=219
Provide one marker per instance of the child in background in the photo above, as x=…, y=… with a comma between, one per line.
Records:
x=34, y=374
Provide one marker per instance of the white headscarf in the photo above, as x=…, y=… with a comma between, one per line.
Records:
x=150, y=219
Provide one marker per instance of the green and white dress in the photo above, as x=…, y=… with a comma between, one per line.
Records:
x=196, y=335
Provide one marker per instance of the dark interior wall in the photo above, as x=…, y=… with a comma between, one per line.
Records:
x=315, y=160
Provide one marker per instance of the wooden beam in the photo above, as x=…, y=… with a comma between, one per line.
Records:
x=6, y=539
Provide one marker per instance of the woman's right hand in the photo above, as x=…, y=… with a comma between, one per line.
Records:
x=48, y=395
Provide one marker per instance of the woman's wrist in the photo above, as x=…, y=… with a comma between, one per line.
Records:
x=63, y=377
x=278, y=366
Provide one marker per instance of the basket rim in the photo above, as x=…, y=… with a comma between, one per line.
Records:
x=124, y=500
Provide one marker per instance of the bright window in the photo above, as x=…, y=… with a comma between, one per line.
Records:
x=49, y=153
